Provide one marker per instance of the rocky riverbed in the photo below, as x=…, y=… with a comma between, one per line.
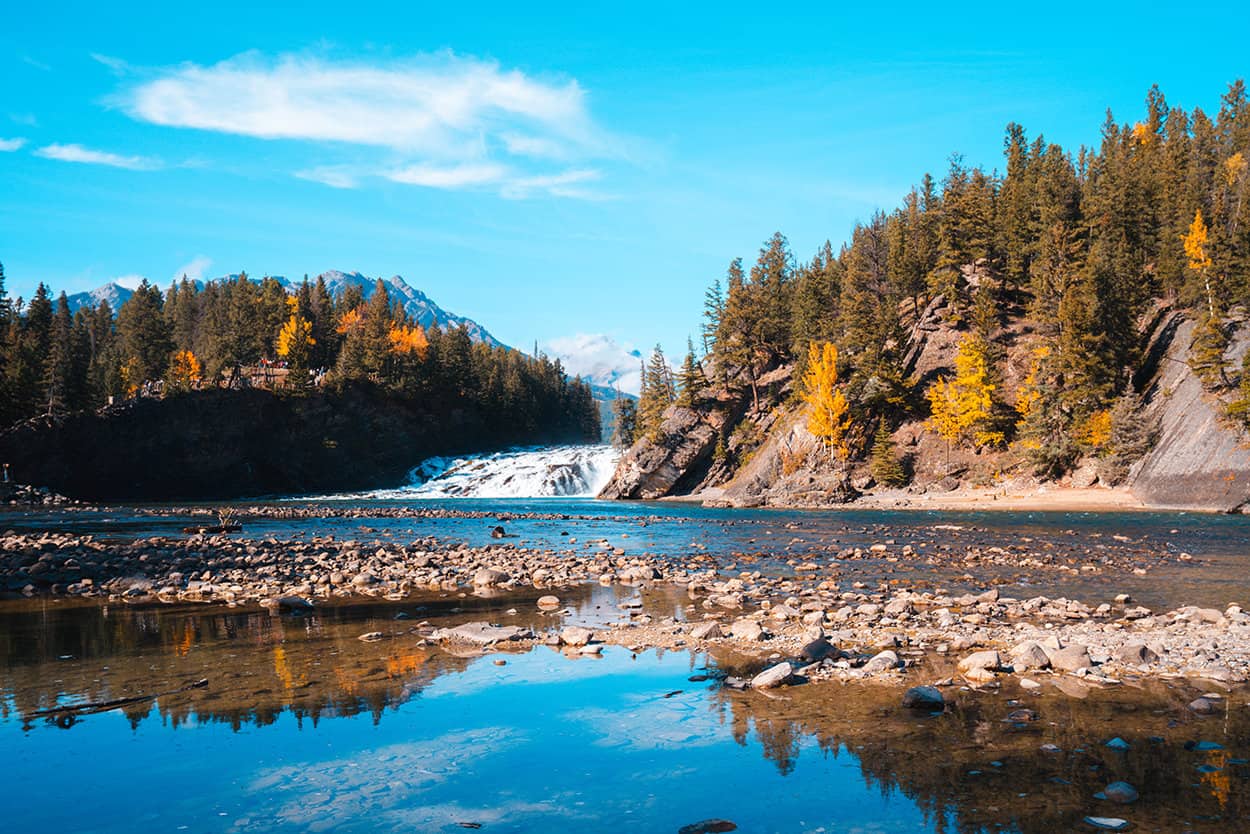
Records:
x=805, y=616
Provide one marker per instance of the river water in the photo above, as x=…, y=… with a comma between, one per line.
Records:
x=300, y=726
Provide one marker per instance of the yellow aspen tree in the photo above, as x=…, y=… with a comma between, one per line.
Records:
x=294, y=344
x=184, y=371
x=828, y=418
x=1196, y=241
x=409, y=340
x=960, y=410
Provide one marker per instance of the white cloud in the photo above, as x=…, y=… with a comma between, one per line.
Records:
x=563, y=184
x=77, y=153
x=130, y=282
x=439, y=105
x=331, y=176
x=194, y=269
x=454, y=176
x=599, y=358
x=11, y=144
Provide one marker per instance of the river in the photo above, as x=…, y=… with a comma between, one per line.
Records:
x=301, y=726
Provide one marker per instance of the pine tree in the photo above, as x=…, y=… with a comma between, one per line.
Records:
x=60, y=385
x=690, y=380
x=886, y=468
x=658, y=393
x=144, y=335
x=713, y=310
x=624, y=421
x=1133, y=434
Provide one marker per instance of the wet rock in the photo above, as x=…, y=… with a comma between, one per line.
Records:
x=497, y=532
x=1203, y=706
x=1118, y=744
x=1108, y=823
x=1120, y=792
x=818, y=650
x=924, y=698
x=576, y=636
x=1028, y=656
x=289, y=605
x=882, y=662
x=549, y=601
x=482, y=634
x=371, y=637
x=774, y=676
x=712, y=826
x=490, y=577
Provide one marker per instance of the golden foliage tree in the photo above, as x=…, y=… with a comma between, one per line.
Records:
x=963, y=408
x=828, y=418
x=294, y=344
x=184, y=371
x=408, y=341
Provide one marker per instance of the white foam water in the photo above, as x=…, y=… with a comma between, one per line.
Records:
x=545, y=472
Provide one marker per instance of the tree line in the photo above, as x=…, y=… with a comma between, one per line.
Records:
x=1075, y=250
x=197, y=335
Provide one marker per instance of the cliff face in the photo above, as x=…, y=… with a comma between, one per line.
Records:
x=230, y=444
x=1201, y=461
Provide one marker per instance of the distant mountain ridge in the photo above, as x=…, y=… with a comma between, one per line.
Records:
x=419, y=306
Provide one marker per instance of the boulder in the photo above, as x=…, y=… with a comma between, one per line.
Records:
x=709, y=630
x=490, y=577
x=746, y=629
x=882, y=662
x=1070, y=658
x=482, y=634
x=989, y=660
x=773, y=676
x=576, y=636
x=924, y=698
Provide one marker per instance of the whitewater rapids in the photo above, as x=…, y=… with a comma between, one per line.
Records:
x=546, y=472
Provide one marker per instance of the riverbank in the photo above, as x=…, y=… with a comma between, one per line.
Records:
x=1031, y=498
x=882, y=611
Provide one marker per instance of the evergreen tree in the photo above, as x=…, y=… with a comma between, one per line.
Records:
x=658, y=393
x=886, y=468
x=624, y=421
x=690, y=380
x=144, y=336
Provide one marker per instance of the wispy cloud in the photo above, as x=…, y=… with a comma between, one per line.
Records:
x=11, y=144
x=77, y=153
x=446, y=121
x=26, y=119
x=335, y=177
x=440, y=104
x=130, y=282
x=194, y=269
x=455, y=176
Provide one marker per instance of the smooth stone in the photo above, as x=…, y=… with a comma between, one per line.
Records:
x=549, y=601
x=747, y=630
x=882, y=662
x=482, y=634
x=1202, y=706
x=924, y=697
x=1108, y=823
x=576, y=636
x=1071, y=658
x=990, y=660
x=489, y=577
x=773, y=676
x=706, y=631
x=818, y=650
x=370, y=637
x=1121, y=792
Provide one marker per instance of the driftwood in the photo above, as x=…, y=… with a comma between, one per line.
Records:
x=105, y=706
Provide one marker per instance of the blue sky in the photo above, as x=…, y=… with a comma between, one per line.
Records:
x=588, y=169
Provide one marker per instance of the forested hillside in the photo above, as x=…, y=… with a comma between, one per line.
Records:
x=1006, y=313
x=244, y=333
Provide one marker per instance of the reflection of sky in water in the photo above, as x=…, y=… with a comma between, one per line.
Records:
x=542, y=744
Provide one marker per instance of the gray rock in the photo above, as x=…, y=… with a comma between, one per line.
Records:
x=882, y=662
x=818, y=650
x=1135, y=654
x=1070, y=658
x=482, y=634
x=989, y=660
x=709, y=630
x=773, y=676
x=747, y=630
x=924, y=698
x=490, y=577
x=549, y=601
x=1120, y=792
x=576, y=636
x=1029, y=656
x=371, y=637
x=1108, y=823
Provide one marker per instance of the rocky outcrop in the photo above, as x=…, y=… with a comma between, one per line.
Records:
x=653, y=468
x=221, y=444
x=1201, y=459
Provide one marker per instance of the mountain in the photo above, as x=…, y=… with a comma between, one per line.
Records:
x=416, y=303
x=115, y=294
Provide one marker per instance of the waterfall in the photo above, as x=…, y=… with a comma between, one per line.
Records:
x=551, y=471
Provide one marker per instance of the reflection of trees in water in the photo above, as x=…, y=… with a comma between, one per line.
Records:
x=258, y=666
x=945, y=764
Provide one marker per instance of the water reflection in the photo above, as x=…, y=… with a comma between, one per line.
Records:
x=305, y=727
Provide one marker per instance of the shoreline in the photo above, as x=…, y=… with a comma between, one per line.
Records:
x=810, y=620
